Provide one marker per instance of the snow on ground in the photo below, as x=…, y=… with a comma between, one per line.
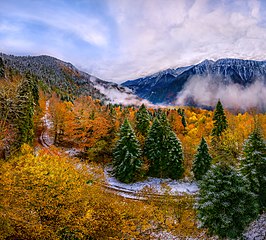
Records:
x=257, y=229
x=72, y=152
x=48, y=124
x=175, y=187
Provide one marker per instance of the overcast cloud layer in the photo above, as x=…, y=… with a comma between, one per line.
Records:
x=117, y=40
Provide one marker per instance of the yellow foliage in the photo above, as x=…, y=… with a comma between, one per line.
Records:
x=49, y=197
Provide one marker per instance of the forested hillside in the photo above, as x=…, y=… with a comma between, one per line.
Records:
x=66, y=80
x=46, y=194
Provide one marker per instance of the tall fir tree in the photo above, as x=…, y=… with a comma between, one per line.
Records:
x=152, y=148
x=219, y=120
x=225, y=204
x=202, y=160
x=25, y=111
x=163, y=150
x=2, y=68
x=181, y=112
x=175, y=158
x=126, y=155
x=253, y=165
x=142, y=120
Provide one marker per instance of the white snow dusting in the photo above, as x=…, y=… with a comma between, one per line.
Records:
x=173, y=187
x=48, y=125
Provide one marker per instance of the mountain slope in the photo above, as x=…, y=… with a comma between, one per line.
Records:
x=67, y=80
x=178, y=85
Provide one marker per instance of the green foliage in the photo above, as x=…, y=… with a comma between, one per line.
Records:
x=175, y=158
x=101, y=152
x=163, y=150
x=181, y=112
x=142, y=120
x=202, y=161
x=2, y=68
x=24, y=112
x=253, y=165
x=225, y=205
x=152, y=148
x=220, y=122
x=127, y=153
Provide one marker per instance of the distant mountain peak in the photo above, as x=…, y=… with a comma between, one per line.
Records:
x=206, y=62
x=227, y=73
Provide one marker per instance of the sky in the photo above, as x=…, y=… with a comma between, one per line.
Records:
x=118, y=40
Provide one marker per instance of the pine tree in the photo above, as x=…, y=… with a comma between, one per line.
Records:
x=2, y=68
x=253, y=165
x=142, y=120
x=126, y=161
x=181, y=112
x=163, y=150
x=225, y=205
x=220, y=122
x=202, y=161
x=175, y=168
x=24, y=112
x=152, y=148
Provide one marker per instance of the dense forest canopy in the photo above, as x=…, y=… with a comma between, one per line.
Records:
x=56, y=198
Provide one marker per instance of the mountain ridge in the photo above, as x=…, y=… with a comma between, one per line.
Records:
x=67, y=80
x=166, y=87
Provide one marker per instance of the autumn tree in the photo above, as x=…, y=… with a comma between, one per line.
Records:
x=46, y=197
x=202, y=160
x=253, y=165
x=49, y=197
x=127, y=153
x=225, y=205
x=219, y=120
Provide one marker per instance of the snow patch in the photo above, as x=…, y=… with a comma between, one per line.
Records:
x=48, y=125
x=257, y=229
x=173, y=187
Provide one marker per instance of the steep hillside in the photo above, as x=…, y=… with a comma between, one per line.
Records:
x=67, y=80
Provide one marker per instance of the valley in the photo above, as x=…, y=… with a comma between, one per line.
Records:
x=73, y=160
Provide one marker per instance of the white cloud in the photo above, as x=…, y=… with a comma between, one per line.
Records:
x=130, y=39
x=89, y=29
x=207, y=91
x=155, y=35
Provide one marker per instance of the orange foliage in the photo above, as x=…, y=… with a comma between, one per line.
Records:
x=52, y=197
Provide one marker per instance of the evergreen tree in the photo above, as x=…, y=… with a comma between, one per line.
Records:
x=142, y=120
x=24, y=112
x=220, y=122
x=126, y=161
x=225, y=205
x=202, y=161
x=253, y=165
x=163, y=150
x=153, y=150
x=181, y=112
x=175, y=158
x=2, y=68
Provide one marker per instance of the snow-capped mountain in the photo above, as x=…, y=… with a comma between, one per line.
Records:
x=202, y=84
x=67, y=80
